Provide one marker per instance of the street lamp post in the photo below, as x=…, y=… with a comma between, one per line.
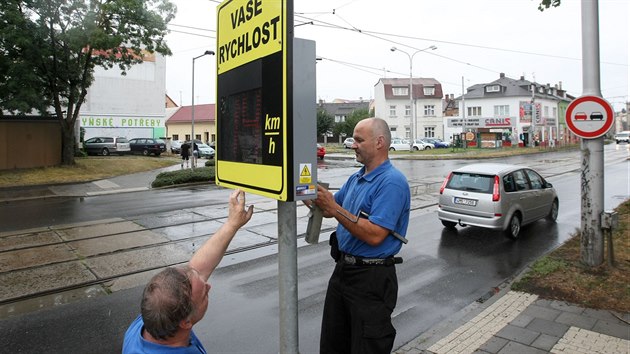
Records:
x=192, y=118
x=412, y=119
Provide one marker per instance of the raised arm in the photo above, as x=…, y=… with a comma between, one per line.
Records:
x=206, y=259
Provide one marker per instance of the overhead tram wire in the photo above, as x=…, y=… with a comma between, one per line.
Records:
x=361, y=67
x=367, y=33
x=376, y=33
x=191, y=27
x=194, y=34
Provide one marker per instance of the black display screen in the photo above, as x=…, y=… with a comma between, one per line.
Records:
x=250, y=112
x=242, y=133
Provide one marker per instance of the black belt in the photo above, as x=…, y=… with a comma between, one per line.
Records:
x=355, y=260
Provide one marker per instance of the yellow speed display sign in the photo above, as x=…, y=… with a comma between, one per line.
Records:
x=252, y=96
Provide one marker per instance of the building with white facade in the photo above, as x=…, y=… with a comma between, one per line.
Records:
x=130, y=106
x=519, y=111
x=393, y=104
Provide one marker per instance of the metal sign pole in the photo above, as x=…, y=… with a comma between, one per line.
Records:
x=287, y=277
x=592, y=176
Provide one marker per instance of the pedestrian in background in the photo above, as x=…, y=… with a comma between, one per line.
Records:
x=195, y=154
x=185, y=153
x=176, y=299
x=370, y=207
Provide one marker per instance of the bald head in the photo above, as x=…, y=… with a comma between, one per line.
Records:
x=372, y=139
x=378, y=127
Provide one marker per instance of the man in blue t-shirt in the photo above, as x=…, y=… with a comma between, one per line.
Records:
x=177, y=297
x=371, y=208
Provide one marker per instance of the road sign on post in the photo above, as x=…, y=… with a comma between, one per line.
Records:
x=592, y=147
x=266, y=125
x=264, y=145
x=589, y=117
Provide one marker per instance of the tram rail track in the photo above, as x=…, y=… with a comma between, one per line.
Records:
x=103, y=280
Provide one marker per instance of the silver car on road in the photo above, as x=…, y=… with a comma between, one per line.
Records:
x=496, y=196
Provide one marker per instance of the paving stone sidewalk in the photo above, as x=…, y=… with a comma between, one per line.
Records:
x=523, y=323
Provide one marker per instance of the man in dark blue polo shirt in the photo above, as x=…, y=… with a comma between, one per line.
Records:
x=371, y=207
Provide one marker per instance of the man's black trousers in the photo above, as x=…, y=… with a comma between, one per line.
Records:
x=358, y=308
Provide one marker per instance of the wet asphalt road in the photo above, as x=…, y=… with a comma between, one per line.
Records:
x=442, y=273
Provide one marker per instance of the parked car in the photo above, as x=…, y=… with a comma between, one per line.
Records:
x=421, y=144
x=321, y=151
x=205, y=151
x=199, y=143
x=496, y=196
x=106, y=146
x=348, y=143
x=622, y=137
x=176, y=146
x=147, y=146
x=580, y=116
x=399, y=145
x=597, y=116
x=438, y=143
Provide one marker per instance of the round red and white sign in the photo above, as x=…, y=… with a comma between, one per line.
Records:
x=589, y=117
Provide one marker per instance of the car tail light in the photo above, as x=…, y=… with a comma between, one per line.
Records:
x=496, y=195
x=445, y=182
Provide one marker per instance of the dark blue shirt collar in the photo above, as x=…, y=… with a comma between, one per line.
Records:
x=377, y=171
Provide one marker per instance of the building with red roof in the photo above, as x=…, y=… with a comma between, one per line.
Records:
x=179, y=125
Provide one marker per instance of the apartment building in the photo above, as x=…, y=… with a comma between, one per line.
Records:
x=523, y=112
x=422, y=113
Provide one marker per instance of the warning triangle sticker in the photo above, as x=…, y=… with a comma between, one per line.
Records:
x=305, y=172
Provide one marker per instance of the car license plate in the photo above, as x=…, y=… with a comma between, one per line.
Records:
x=464, y=201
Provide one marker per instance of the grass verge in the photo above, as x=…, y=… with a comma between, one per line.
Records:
x=561, y=275
x=85, y=169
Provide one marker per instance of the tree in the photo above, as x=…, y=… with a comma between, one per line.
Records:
x=50, y=49
x=545, y=4
x=325, y=122
x=346, y=128
x=355, y=117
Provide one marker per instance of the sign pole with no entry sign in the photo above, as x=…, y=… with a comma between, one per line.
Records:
x=590, y=117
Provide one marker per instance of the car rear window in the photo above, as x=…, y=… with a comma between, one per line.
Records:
x=121, y=140
x=160, y=141
x=472, y=182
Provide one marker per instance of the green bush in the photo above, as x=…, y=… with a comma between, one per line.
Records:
x=201, y=174
x=210, y=163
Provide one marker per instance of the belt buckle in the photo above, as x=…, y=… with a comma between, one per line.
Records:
x=349, y=259
x=373, y=261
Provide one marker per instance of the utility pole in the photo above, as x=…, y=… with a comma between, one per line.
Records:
x=412, y=121
x=465, y=123
x=532, y=133
x=192, y=115
x=592, y=176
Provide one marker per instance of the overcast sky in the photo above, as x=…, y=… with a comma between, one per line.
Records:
x=476, y=40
